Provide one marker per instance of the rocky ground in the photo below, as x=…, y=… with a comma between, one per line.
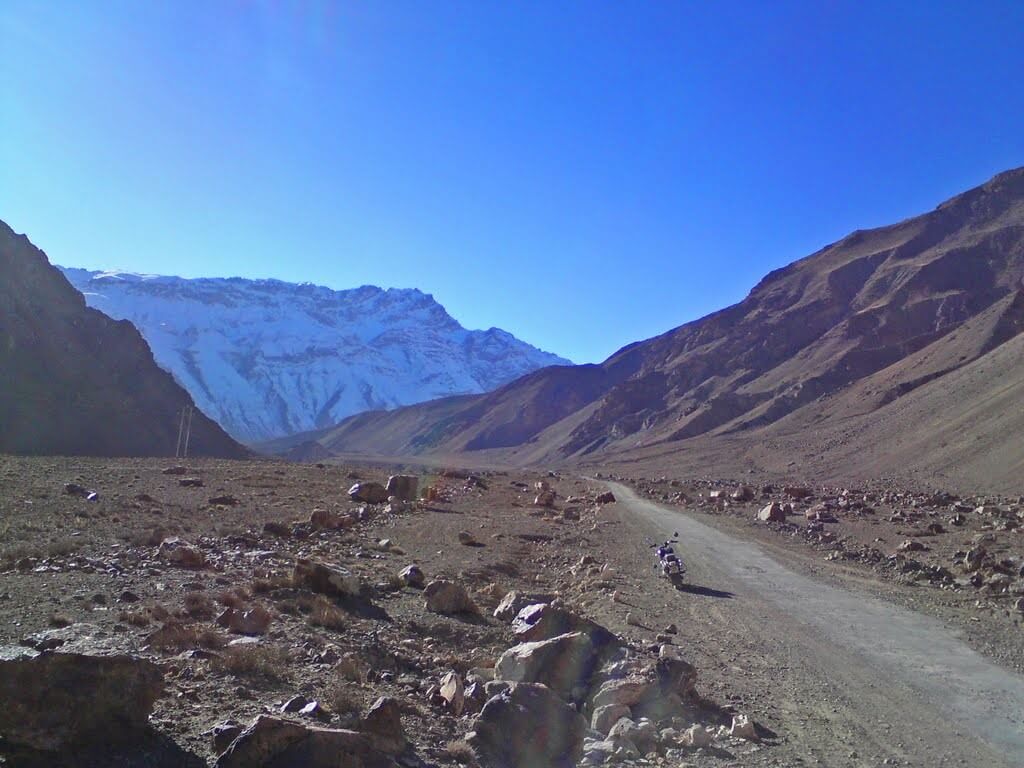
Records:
x=242, y=590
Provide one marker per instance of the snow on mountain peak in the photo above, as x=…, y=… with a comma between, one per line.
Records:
x=267, y=358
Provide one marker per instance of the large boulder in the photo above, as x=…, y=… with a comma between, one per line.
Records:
x=405, y=487
x=369, y=493
x=326, y=579
x=772, y=513
x=383, y=726
x=624, y=692
x=55, y=701
x=565, y=664
x=447, y=597
x=513, y=602
x=542, y=621
x=528, y=726
x=273, y=742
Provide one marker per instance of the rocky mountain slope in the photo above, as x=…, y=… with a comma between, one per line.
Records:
x=75, y=382
x=843, y=336
x=268, y=358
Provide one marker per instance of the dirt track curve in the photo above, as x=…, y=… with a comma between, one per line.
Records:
x=859, y=680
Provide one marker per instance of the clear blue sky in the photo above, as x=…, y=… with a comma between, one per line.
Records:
x=581, y=174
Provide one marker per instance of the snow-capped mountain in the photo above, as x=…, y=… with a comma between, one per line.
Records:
x=268, y=358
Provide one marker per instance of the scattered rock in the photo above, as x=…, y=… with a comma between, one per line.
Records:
x=74, y=489
x=743, y=728
x=605, y=717
x=405, y=487
x=370, y=493
x=191, y=482
x=697, y=736
x=382, y=725
x=605, y=498
x=273, y=742
x=326, y=579
x=54, y=701
x=466, y=539
x=773, y=513
x=543, y=621
x=452, y=692
x=506, y=732
x=174, y=471
x=412, y=576
x=544, y=499
x=513, y=602
x=564, y=664
x=181, y=553
x=226, y=500
x=447, y=597
x=251, y=621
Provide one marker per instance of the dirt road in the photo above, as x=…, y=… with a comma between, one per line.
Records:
x=854, y=680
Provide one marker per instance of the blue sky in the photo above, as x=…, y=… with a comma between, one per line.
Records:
x=582, y=174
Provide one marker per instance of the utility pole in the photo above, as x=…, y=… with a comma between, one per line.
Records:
x=188, y=429
x=181, y=429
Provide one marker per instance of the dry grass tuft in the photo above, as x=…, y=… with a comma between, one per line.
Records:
x=266, y=662
x=134, y=618
x=326, y=614
x=344, y=698
x=236, y=597
x=198, y=605
x=460, y=751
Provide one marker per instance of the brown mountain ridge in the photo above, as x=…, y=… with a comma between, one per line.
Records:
x=847, y=333
x=75, y=382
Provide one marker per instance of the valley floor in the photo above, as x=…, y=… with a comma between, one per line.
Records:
x=829, y=658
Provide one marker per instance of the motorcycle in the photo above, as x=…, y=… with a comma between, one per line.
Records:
x=669, y=565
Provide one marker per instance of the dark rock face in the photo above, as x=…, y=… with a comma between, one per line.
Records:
x=75, y=382
x=56, y=701
x=528, y=726
x=273, y=742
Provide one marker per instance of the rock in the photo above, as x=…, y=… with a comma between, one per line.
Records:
x=642, y=735
x=513, y=602
x=605, y=498
x=327, y=520
x=74, y=489
x=405, y=487
x=453, y=693
x=475, y=698
x=466, y=539
x=222, y=734
x=974, y=558
x=506, y=732
x=910, y=545
x=273, y=742
x=180, y=553
x=743, y=728
x=571, y=513
x=277, y=529
x=797, y=492
x=326, y=579
x=294, y=704
x=543, y=621
x=412, y=576
x=174, y=471
x=1018, y=605
x=544, y=499
x=370, y=493
x=773, y=513
x=226, y=500
x=54, y=701
x=565, y=664
x=675, y=676
x=252, y=621
x=605, y=717
x=743, y=493
x=697, y=736
x=625, y=693
x=447, y=597
x=191, y=482
x=382, y=725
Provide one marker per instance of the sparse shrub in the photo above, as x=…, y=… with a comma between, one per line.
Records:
x=236, y=597
x=174, y=636
x=134, y=618
x=211, y=639
x=263, y=584
x=344, y=698
x=326, y=614
x=265, y=662
x=460, y=751
x=198, y=605
x=58, y=619
x=159, y=613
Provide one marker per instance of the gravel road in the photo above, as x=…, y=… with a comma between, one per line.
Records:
x=860, y=681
